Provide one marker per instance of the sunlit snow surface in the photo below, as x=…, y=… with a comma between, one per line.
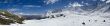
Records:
x=74, y=16
x=75, y=20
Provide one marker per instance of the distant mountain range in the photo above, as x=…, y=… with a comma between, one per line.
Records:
x=30, y=17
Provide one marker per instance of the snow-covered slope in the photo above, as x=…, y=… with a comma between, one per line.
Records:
x=71, y=20
x=73, y=16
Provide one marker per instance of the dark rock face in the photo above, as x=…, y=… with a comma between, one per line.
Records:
x=103, y=20
x=6, y=18
x=83, y=23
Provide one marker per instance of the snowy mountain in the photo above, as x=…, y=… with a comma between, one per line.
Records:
x=74, y=14
x=80, y=17
x=79, y=10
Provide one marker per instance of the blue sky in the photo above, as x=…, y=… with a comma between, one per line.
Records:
x=40, y=6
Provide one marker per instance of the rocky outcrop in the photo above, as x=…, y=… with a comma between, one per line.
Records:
x=7, y=18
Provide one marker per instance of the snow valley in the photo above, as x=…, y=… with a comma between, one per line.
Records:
x=73, y=16
x=55, y=13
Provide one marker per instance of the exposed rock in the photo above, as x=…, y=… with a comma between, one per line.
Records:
x=83, y=23
x=103, y=20
x=6, y=18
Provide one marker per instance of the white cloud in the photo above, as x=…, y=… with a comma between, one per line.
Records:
x=84, y=3
x=50, y=1
x=74, y=4
x=108, y=1
x=22, y=13
x=5, y=1
x=31, y=6
x=19, y=13
x=13, y=9
x=103, y=0
x=94, y=0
